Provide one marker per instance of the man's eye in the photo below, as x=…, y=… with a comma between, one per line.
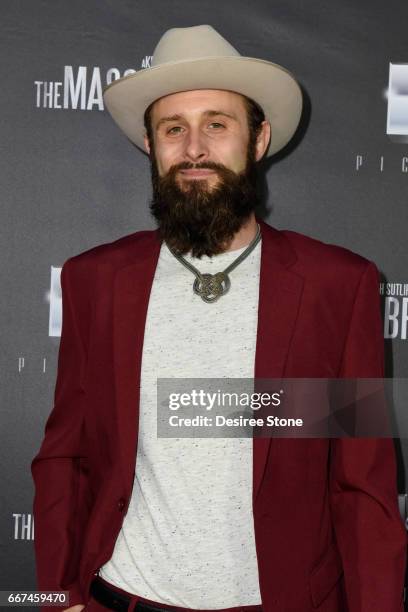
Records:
x=216, y=124
x=174, y=129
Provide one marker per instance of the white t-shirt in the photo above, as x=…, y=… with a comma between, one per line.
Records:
x=188, y=536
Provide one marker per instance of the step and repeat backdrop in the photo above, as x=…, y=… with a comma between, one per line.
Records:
x=71, y=180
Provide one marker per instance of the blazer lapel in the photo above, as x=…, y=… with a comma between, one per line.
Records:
x=280, y=291
x=132, y=287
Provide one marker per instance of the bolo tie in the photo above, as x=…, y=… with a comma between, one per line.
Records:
x=210, y=287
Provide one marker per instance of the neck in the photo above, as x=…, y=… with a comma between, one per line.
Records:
x=244, y=236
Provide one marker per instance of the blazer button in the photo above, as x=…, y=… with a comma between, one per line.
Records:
x=121, y=503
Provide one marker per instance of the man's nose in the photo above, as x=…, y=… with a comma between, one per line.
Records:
x=196, y=147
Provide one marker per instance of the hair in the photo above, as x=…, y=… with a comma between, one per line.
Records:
x=255, y=116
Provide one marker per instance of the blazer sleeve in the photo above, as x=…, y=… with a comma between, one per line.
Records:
x=363, y=493
x=59, y=469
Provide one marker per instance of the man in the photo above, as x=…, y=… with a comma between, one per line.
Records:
x=128, y=520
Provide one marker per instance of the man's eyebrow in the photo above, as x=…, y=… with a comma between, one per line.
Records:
x=167, y=120
x=208, y=113
x=213, y=113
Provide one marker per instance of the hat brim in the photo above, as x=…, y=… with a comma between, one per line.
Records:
x=273, y=87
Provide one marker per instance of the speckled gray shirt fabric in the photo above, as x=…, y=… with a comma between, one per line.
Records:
x=188, y=536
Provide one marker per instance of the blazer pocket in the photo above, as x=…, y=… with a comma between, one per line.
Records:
x=325, y=575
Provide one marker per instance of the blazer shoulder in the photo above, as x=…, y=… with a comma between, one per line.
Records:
x=116, y=253
x=315, y=255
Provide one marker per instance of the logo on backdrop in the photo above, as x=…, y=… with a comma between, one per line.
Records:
x=396, y=122
x=23, y=526
x=397, y=106
x=79, y=88
x=395, y=309
x=54, y=298
x=403, y=163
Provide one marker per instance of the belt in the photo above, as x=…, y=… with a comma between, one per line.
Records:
x=113, y=600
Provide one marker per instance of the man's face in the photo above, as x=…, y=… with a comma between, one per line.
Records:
x=203, y=168
x=199, y=126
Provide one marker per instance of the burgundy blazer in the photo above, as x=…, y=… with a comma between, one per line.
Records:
x=327, y=527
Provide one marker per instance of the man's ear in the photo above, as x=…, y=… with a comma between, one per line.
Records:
x=146, y=143
x=262, y=140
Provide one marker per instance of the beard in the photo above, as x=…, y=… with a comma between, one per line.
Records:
x=198, y=217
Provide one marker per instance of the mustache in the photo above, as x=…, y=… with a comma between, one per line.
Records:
x=207, y=165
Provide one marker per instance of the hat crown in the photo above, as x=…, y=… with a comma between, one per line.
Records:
x=178, y=44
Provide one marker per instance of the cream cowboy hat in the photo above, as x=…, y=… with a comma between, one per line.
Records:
x=200, y=58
